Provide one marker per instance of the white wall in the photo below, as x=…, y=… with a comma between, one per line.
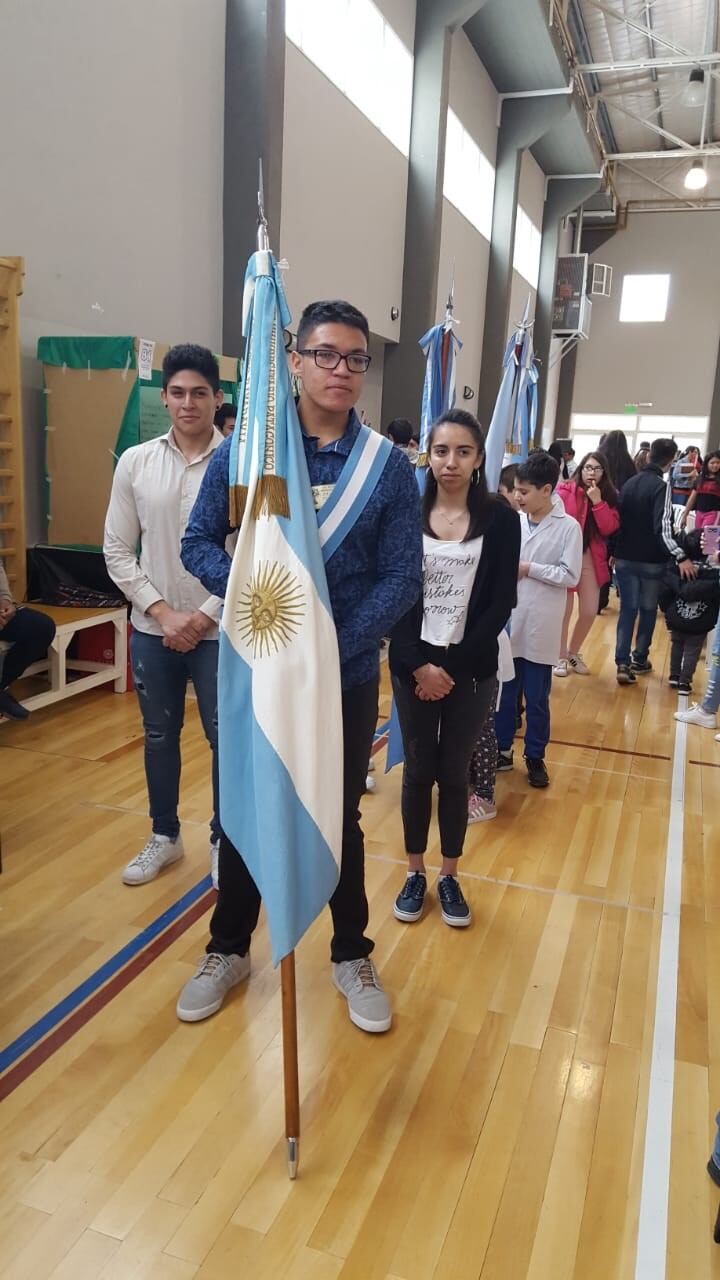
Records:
x=531, y=196
x=552, y=373
x=474, y=100
x=671, y=364
x=112, y=176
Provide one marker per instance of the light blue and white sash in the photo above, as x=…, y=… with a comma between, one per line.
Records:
x=358, y=479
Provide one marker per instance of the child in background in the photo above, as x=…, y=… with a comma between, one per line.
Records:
x=691, y=609
x=483, y=762
x=550, y=562
x=704, y=499
x=592, y=499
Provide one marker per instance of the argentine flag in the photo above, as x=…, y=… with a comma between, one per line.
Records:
x=279, y=701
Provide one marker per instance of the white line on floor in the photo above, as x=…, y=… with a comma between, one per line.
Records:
x=650, y=1263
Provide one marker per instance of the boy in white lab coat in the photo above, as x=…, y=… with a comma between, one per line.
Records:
x=550, y=562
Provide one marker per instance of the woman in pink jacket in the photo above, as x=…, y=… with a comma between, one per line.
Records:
x=591, y=498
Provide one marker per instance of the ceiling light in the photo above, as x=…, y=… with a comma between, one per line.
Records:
x=696, y=176
x=694, y=92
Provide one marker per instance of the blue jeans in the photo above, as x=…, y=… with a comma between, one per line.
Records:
x=711, y=701
x=533, y=679
x=161, y=676
x=639, y=586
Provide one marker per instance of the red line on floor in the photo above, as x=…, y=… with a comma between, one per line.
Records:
x=81, y=1016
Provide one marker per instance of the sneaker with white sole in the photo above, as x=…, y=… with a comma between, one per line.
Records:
x=206, y=990
x=696, y=715
x=576, y=664
x=215, y=863
x=480, y=810
x=159, y=852
x=562, y=668
x=453, y=907
x=369, y=784
x=368, y=1006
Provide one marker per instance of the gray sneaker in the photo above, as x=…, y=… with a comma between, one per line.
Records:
x=368, y=1006
x=214, y=977
x=159, y=852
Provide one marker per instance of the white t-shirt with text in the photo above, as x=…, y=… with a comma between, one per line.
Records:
x=449, y=570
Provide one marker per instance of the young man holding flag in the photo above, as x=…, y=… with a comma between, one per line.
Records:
x=372, y=546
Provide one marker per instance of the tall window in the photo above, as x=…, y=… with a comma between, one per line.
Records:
x=526, y=255
x=353, y=45
x=469, y=178
x=644, y=299
x=587, y=428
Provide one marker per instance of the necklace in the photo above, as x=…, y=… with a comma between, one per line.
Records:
x=450, y=519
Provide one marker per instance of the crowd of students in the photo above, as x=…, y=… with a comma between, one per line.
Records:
x=478, y=603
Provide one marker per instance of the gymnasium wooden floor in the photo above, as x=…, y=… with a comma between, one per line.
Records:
x=497, y=1131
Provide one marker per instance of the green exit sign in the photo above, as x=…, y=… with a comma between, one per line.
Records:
x=630, y=408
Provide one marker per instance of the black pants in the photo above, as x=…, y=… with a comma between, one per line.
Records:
x=684, y=653
x=31, y=634
x=438, y=740
x=238, y=903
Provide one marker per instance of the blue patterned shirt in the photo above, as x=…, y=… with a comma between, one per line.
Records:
x=375, y=575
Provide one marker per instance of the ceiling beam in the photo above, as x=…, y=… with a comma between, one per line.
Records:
x=645, y=64
x=641, y=28
x=645, y=177
x=671, y=154
x=649, y=124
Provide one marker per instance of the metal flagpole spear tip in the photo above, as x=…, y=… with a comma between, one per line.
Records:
x=293, y=1155
x=263, y=237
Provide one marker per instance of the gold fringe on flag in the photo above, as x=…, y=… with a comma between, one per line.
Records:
x=271, y=497
x=422, y=460
x=237, y=499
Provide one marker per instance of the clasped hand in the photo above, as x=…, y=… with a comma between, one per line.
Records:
x=8, y=609
x=432, y=683
x=184, y=631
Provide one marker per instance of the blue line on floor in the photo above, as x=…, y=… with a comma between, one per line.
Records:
x=56, y=1015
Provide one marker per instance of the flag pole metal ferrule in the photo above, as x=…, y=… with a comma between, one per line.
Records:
x=290, y=1062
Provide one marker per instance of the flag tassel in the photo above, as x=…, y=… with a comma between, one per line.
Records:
x=271, y=497
x=237, y=501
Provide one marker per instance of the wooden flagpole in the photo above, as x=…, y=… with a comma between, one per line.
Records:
x=290, y=1062
x=287, y=964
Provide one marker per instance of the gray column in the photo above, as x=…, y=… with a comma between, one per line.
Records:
x=562, y=196
x=524, y=121
x=713, y=439
x=254, y=103
x=404, y=367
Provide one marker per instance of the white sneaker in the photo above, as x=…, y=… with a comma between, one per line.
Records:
x=575, y=660
x=215, y=863
x=369, y=783
x=562, y=668
x=371, y=765
x=159, y=852
x=214, y=977
x=696, y=715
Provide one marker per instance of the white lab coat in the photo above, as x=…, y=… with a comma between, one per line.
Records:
x=554, y=550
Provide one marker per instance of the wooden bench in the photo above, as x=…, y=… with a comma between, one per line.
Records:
x=57, y=665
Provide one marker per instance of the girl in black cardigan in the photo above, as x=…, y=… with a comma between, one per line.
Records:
x=444, y=651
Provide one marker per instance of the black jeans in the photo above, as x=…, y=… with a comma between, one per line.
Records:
x=438, y=739
x=31, y=634
x=238, y=902
x=684, y=653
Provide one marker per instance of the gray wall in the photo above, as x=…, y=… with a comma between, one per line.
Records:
x=112, y=177
x=671, y=364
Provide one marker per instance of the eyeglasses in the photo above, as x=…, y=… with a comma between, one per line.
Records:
x=595, y=470
x=325, y=358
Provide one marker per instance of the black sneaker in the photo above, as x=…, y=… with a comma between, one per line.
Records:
x=537, y=773
x=455, y=910
x=684, y=686
x=409, y=902
x=625, y=674
x=504, y=761
x=11, y=708
x=673, y=682
x=641, y=666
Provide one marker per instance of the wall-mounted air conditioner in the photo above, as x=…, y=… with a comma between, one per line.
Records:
x=601, y=280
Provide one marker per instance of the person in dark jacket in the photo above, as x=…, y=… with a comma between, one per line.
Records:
x=691, y=608
x=643, y=546
x=444, y=651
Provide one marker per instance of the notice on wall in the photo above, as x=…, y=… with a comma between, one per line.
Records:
x=146, y=351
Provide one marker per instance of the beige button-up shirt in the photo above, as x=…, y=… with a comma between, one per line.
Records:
x=153, y=493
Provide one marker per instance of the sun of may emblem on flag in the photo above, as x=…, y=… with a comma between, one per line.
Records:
x=270, y=611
